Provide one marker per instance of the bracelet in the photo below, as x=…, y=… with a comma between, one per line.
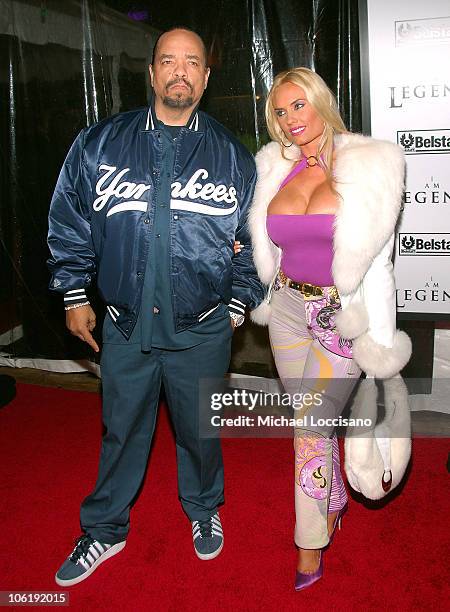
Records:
x=72, y=306
x=238, y=319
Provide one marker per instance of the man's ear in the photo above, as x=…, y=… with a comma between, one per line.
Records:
x=207, y=73
x=150, y=70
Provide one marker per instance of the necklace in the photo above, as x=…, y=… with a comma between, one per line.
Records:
x=309, y=163
x=306, y=162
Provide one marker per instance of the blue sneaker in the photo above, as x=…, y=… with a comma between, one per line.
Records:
x=208, y=537
x=84, y=559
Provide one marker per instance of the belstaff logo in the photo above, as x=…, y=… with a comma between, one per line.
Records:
x=435, y=30
x=424, y=244
x=431, y=292
x=417, y=142
x=432, y=193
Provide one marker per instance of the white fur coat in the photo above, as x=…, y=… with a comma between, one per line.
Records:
x=369, y=178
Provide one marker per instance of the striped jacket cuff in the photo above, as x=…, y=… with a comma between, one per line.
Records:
x=76, y=296
x=236, y=306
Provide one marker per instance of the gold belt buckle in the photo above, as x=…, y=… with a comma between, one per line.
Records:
x=319, y=291
x=307, y=289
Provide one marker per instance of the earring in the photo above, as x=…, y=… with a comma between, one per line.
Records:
x=285, y=145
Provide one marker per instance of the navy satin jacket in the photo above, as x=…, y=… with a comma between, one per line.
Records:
x=101, y=218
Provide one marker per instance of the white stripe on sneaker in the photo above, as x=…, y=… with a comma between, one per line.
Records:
x=90, y=558
x=84, y=563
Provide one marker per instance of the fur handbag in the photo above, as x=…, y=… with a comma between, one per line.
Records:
x=377, y=455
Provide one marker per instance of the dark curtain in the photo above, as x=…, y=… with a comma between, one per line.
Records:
x=64, y=65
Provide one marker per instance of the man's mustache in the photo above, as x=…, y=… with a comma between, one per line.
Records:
x=177, y=81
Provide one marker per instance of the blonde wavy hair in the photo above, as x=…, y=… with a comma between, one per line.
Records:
x=324, y=103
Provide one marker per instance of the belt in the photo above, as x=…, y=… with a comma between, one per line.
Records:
x=307, y=289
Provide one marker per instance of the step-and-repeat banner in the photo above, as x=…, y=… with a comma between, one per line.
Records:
x=408, y=51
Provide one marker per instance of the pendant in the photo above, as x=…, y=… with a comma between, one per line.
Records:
x=309, y=164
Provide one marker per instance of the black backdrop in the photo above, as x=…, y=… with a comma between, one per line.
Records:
x=66, y=64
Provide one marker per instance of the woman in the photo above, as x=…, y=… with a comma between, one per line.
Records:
x=322, y=223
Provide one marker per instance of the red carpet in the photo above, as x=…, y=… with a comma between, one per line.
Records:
x=394, y=557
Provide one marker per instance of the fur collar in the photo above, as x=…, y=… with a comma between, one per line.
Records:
x=369, y=179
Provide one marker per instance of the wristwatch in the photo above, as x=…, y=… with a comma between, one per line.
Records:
x=238, y=319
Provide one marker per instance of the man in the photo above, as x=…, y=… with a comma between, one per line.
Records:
x=150, y=202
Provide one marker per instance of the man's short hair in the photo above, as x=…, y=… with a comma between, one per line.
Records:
x=205, y=52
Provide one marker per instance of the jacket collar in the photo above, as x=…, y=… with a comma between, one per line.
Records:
x=151, y=123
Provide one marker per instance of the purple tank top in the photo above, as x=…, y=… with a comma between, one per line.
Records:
x=306, y=242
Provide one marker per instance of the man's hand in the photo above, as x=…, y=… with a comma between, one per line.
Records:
x=81, y=322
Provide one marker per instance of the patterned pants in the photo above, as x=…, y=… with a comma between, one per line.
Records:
x=312, y=358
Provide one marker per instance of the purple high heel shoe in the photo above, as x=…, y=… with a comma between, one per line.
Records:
x=302, y=581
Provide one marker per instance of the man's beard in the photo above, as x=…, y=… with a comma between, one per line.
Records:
x=177, y=100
